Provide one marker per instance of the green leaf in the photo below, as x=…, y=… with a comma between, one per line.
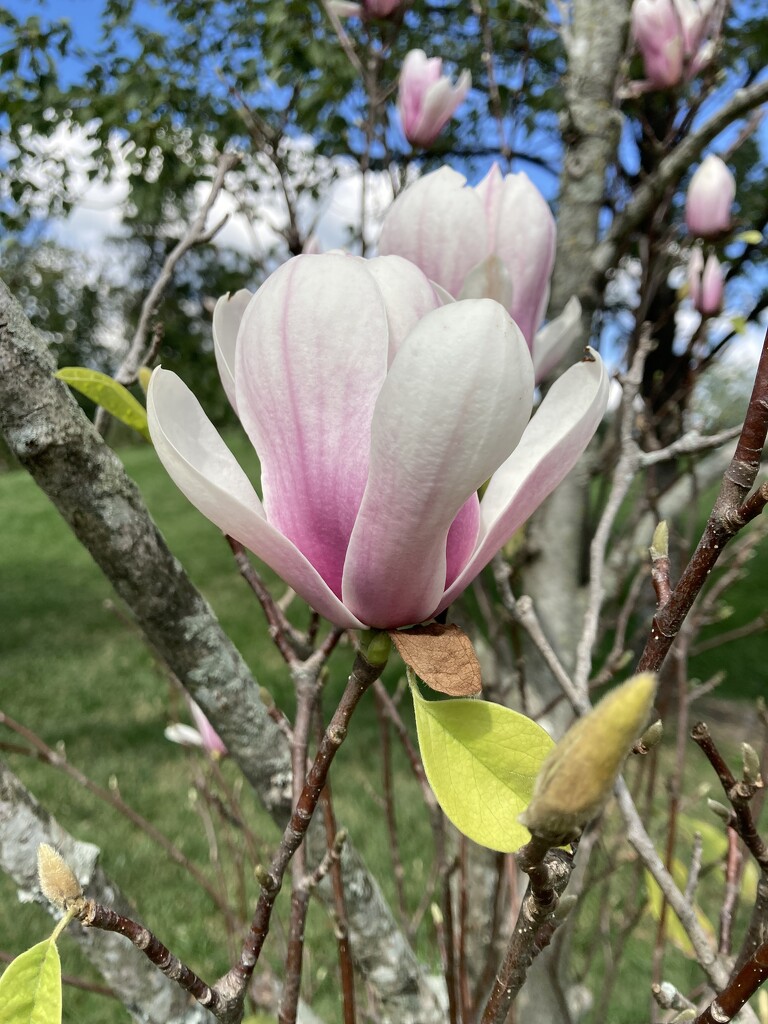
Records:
x=106, y=392
x=481, y=760
x=30, y=988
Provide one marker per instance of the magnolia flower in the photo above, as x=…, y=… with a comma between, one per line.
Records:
x=376, y=413
x=496, y=240
x=670, y=35
x=426, y=98
x=709, y=199
x=706, y=283
x=204, y=735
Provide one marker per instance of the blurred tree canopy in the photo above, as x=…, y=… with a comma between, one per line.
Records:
x=167, y=86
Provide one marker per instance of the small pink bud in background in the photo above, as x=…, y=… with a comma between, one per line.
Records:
x=670, y=35
x=657, y=30
x=710, y=198
x=204, y=735
x=381, y=8
x=426, y=99
x=706, y=283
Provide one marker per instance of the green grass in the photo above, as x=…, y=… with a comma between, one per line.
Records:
x=76, y=672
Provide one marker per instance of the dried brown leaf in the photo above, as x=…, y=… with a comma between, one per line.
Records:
x=443, y=656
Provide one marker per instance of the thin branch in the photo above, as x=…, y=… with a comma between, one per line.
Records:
x=733, y=509
x=744, y=985
x=194, y=235
x=115, y=800
x=669, y=171
x=94, y=915
x=624, y=474
x=549, y=871
x=362, y=676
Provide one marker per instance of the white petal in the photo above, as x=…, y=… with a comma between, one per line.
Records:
x=226, y=323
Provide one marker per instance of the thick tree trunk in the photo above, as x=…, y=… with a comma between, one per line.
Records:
x=49, y=435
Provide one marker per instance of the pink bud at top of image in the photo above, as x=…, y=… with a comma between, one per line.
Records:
x=377, y=410
x=709, y=201
x=495, y=240
x=657, y=31
x=381, y=8
x=706, y=283
x=671, y=38
x=427, y=98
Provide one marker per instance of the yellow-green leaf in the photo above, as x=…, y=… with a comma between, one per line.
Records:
x=30, y=988
x=752, y=237
x=481, y=761
x=106, y=392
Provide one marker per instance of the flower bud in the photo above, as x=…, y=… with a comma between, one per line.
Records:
x=751, y=762
x=710, y=198
x=57, y=880
x=576, y=779
x=427, y=98
x=670, y=35
x=657, y=31
x=706, y=284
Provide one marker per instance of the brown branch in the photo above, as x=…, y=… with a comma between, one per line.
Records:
x=670, y=170
x=287, y=640
x=733, y=509
x=549, y=872
x=362, y=676
x=743, y=986
x=94, y=915
x=739, y=794
x=340, y=920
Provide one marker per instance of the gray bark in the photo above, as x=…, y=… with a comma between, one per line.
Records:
x=50, y=436
x=594, y=43
x=148, y=995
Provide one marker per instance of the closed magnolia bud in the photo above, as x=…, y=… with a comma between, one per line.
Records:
x=660, y=542
x=427, y=98
x=751, y=763
x=577, y=778
x=710, y=198
x=706, y=283
x=57, y=880
x=723, y=812
x=657, y=31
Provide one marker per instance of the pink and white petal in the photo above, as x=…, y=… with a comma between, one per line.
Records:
x=227, y=315
x=557, y=435
x=311, y=360
x=489, y=280
x=454, y=405
x=462, y=538
x=525, y=242
x=490, y=190
x=408, y=296
x=184, y=735
x=204, y=469
x=553, y=342
x=437, y=224
x=440, y=101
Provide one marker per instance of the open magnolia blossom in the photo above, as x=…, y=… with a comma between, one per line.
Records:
x=376, y=413
x=496, y=241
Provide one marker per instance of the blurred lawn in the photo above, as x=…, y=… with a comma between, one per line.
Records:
x=75, y=672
